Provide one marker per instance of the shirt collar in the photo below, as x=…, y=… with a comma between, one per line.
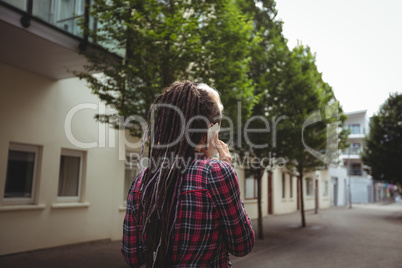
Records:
x=200, y=155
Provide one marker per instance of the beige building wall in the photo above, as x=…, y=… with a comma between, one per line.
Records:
x=284, y=199
x=309, y=200
x=286, y=202
x=324, y=194
x=33, y=111
x=251, y=205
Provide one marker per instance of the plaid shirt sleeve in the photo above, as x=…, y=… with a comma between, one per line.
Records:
x=131, y=248
x=235, y=225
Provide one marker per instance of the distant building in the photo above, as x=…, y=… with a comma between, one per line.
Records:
x=363, y=188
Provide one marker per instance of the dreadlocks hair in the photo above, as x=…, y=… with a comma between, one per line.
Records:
x=181, y=105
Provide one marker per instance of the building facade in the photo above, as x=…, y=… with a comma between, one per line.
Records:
x=364, y=188
x=361, y=182
x=281, y=191
x=63, y=176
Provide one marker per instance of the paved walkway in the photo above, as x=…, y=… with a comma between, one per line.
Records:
x=366, y=236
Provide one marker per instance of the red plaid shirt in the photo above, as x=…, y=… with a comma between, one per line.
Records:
x=211, y=220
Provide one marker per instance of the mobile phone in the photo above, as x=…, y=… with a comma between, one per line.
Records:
x=211, y=132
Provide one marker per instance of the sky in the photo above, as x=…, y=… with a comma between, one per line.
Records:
x=358, y=46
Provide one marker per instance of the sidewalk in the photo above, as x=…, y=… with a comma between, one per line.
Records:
x=365, y=236
x=100, y=254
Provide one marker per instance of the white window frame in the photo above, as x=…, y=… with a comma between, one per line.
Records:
x=325, y=190
x=80, y=154
x=29, y=149
x=309, y=182
x=255, y=190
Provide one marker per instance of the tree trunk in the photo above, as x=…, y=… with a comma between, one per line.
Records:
x=258, y=175
x=303, y=220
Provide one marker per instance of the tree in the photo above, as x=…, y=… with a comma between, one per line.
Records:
x=288, y=88
x=158, y=42
x=383, y=145
x=309, y=110
x=228, y=40
x=266, y=72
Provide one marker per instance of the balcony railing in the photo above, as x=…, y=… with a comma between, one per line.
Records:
x=353, y=151
x=65, y=14
x=355, y=171
x=356, y=130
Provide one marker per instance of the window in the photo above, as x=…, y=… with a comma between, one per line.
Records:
x=43, y=9
x=251, y=188
x=309, y=186
x=132, y=169
x=325, y=188
x=355, y=129
x=355, y=169
x=355, y=148
x=65, y=14
x=291, y=185
x=70, y=175
x=21, y=173
x=283, y=185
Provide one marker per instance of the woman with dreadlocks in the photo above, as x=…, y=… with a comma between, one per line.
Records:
x=184, y=209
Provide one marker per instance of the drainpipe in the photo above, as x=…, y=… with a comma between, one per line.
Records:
x=350, y=183
x=316, y=191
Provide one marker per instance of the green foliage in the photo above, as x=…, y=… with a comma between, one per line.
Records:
x=162, y=41
x=235, y=46
x=383, y=145
x=303, y=94
x=267, y=58
x=290, y=90
x=228, y=42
